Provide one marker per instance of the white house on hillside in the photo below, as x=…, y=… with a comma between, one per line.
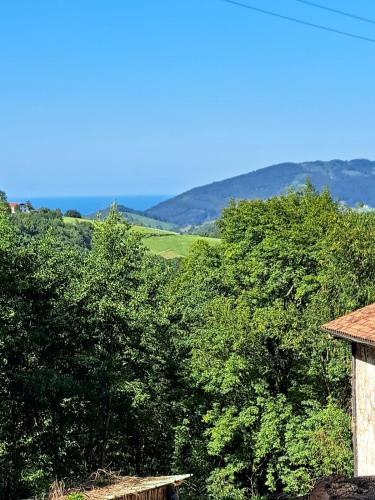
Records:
x=18, y=207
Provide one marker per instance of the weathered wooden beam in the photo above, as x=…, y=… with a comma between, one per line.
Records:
x=354, y=408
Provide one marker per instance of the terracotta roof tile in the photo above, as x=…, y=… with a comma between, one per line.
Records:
x=358, y=326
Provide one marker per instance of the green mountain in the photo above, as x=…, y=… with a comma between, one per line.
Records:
x=349, y=181
x=137, y=217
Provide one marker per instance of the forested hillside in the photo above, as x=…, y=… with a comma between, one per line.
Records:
x=212, y=365
x=349, y=181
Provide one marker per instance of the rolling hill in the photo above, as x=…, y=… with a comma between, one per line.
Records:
x=136, y=217
x=349, y=181
x=167, y=244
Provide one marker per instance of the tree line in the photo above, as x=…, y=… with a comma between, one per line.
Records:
x=212, y=365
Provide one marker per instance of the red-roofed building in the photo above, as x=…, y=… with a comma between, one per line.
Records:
x=358, y=328
x=18, y=207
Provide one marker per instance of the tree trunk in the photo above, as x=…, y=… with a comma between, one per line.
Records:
x=106, y=427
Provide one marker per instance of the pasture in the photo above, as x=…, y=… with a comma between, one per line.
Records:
x=167, y=244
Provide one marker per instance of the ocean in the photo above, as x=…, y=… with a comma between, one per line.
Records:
x=88, y=205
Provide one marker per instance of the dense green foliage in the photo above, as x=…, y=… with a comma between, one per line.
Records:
x=349, y=181
x=213, y=365
x=37, y=224
x=209, y=229
x=73, y=213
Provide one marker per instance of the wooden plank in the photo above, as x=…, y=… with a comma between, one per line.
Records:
x=364, y=390
x=354, y=408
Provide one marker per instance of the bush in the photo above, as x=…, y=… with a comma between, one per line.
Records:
x=73, y=213
x=75, y=496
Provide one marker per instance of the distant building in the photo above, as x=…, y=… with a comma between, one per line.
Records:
x=19, y=207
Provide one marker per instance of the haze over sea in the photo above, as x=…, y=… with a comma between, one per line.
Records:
x=87, y=205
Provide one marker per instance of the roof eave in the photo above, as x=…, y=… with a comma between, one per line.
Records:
x=346, y=336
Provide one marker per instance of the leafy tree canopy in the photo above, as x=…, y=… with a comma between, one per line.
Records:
x=214, y=365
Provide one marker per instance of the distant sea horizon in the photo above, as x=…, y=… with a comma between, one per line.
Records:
x=87, y=205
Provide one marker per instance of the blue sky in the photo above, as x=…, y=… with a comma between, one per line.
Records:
x=157, y=96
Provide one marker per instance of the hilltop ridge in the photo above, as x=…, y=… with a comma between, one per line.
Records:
x=351, y=181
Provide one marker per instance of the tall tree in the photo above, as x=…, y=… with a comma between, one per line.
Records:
x=125, y=351
x=263, y=369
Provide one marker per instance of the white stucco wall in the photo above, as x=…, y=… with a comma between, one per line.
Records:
x=364, y=409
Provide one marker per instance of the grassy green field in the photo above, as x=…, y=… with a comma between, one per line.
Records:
x=174, y=245
x=167, y=244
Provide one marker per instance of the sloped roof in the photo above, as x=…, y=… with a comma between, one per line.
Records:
x=133, y=486
x=357, y=326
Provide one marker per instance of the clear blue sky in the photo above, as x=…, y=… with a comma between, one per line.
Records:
x=157, y=96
